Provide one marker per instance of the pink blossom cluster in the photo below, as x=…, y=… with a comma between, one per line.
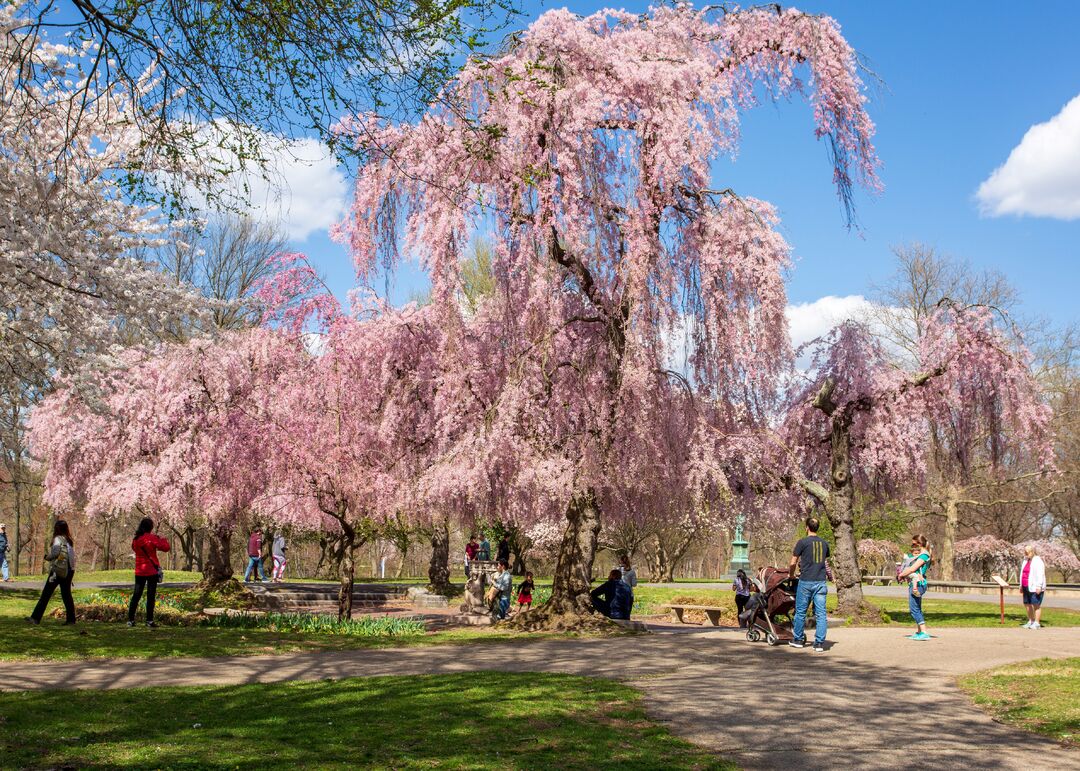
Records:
x=631, y=351
x=877, y=553
x=988, y=553
x=1055, y=554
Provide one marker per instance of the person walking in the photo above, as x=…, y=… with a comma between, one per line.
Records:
x=280, y=561
x=502, y=551
x=255, y=556
x=3, y=553
x=1032, y=586
x=741, y=587
x=148, y=573
x=613, y=598
x=914, y=570
x=504, y=584
x=61, y=559
x=809, y=556
x=629, y=575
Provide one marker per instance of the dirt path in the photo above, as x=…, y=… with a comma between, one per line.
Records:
x=765, y=707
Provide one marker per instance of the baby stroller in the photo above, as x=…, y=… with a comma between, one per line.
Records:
x=769, y=611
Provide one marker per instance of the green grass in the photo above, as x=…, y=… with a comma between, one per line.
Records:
x=939, y=613
x=95, y=640
x=124, y=576
x=1041, y=696
x=474, y=720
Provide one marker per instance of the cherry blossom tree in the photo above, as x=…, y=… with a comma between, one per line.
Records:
x=180, y=435
x=859, y=419
x=875, y=554
x=1055, y=554
x=351, y=431
x=987, y=554
x=586, y=150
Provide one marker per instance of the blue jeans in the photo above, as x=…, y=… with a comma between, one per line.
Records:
x=4, y=567
x=504, y=606
x=816, y=591
x=915, y=607
x=254, y=562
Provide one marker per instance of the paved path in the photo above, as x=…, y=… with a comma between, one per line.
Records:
x=767, y=708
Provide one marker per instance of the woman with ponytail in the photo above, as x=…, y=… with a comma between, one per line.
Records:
x=914, y=570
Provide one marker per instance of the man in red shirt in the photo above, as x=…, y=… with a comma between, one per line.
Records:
x=255, y=556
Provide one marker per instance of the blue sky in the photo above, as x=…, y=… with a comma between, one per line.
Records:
x=963, y=83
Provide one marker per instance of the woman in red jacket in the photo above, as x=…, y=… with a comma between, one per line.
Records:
x=148, y=570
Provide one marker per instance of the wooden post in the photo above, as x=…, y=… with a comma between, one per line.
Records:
x=1002, y=586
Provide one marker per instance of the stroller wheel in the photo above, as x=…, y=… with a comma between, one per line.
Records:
x=753, y=635
x=770, y=638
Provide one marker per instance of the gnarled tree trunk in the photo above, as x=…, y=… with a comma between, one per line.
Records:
x=347, y=569
x=439, y=566
x=572, y=581
x=218, y=567
x=841, y=510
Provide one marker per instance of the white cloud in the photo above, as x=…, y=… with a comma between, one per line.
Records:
x=807, y=321
x=301, y=189
x=1041, y=176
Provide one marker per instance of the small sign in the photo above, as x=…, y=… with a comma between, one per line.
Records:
x=1000, y=581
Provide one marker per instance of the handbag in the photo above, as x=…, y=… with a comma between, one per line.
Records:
x=59, y=567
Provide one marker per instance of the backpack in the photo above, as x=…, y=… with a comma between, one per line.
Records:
x=59, y=567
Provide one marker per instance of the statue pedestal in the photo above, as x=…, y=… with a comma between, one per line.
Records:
x=740, y=552
x=474, y=611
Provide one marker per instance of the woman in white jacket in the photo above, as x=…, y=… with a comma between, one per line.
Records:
x=1032, y=584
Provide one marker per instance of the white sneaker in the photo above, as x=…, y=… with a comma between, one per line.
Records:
x=1035, y=625
x=1027, y=625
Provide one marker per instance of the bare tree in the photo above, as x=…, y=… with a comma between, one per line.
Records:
x=225, y=260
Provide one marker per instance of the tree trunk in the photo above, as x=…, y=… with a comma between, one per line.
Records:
x=439, y=566
x=572, y=581
x=948, y=543
x=401, y=565
x=218, y=567
x=841, y=512
x=348, y=570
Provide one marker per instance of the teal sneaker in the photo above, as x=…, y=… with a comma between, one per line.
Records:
x=921, y=636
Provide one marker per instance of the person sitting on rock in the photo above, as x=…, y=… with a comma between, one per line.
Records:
x=503, y=584
x=613, y=598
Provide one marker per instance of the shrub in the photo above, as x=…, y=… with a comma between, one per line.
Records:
x=366, y=626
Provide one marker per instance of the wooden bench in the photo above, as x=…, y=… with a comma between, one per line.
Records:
x=711, y=611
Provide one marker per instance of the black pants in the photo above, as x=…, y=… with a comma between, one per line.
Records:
x=740, y=604
x=47, y=593
x=150, y=582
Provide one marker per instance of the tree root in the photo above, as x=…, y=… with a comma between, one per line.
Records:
x=576, y=615
x=865, y=614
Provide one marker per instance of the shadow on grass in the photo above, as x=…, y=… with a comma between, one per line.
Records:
x=490, y=720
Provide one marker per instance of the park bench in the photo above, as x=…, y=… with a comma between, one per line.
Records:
x=711, y=611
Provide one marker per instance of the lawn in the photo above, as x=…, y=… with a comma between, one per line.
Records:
x=54, y=641
x=126, y=576
x=939, y=613
x=475, y=720
x=1041, y=696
